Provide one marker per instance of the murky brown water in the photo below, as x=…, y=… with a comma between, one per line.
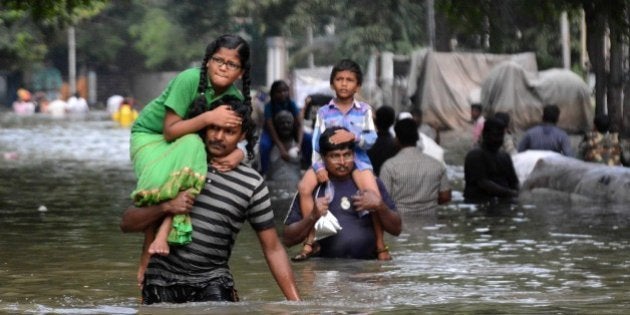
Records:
x=539, y=258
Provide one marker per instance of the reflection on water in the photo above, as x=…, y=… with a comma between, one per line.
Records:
x=542, y=257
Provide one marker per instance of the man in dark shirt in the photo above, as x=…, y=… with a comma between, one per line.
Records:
x=547, y=136
x=384, y=147
x=488, y=171
x=353, y=209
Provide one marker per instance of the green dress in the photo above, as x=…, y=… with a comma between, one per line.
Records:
x=165, y=168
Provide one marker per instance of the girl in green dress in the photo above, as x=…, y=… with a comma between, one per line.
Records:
x=168, y=155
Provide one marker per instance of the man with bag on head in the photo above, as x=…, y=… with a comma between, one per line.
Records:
x=352, y=208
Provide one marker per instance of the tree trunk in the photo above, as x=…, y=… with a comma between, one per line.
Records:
x=615, y=79
x=625, y=126
x=595, y=29
x=625, y=121
x=443, y=32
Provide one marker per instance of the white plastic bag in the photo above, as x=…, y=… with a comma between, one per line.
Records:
x=327, y=225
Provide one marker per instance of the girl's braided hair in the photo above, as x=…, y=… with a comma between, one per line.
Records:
x=229, y=42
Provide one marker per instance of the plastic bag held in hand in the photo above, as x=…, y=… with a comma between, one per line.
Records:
x=327, y=225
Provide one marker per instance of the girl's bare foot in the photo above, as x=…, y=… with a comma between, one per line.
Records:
x=159, y=248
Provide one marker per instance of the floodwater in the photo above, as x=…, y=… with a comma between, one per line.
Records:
x=65, y=182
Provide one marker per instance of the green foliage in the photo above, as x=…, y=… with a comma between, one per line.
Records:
x=133, y=35
x=57, y=13
x=510, y=26
x=28, y=28
x=159, y=40
x=20, y=44
x=341, y=29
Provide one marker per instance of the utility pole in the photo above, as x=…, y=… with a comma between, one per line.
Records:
x=431, y=23
x=276, y=59
x=72, y=61
x=309, y=43
x=566, y=49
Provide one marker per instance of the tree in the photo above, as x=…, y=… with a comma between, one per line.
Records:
x=341, y=29
x=28, y=27
x=505, y=26
x=489, y=17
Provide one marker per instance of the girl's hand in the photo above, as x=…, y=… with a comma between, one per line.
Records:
x=342, y=136
x=228, y=162
x=222, y=116
x=322, y=176
x=181, y=204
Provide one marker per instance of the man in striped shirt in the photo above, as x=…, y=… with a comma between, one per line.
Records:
x=416, y=181
x=199, y=271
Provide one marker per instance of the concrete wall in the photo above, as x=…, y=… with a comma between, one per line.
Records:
x=147, y=86
x=144, y=87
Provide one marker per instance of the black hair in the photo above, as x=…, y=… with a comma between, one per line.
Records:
x=416, y=112
x=551, y=113
x=384, y=117
x=493, y=124
x=317, y=100
x=227, y=41
x=281, y=113
x=504, y=117
x=326, y=146
x=347, y=65
x=248, y=125
x=406, y=132
x=492, y=134
x=602, y=123
x=276, y=85
x=476, y=106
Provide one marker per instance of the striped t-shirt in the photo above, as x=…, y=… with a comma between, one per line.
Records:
x=227, y=200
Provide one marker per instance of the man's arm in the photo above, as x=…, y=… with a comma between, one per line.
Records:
x=567, y=149
x=437, y=135
x=444, y=192
x=136, y=219
x=390, y=219
x=523, y=145
x=276, y=139
x=297, y=232
x=495, y=189
x=367, y=137
x=444, y=197
x=298, y=124
x=278, y=263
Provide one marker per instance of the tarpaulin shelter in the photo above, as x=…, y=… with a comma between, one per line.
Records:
x=309, y=81
x=522, y=94
x=440, y=83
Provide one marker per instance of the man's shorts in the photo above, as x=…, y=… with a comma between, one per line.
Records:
x=217, y=290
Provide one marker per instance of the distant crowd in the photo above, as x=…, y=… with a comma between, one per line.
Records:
x=204, y=149
x=27, y=104
x=202, y=158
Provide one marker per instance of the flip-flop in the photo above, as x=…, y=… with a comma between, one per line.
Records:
x=304, y=255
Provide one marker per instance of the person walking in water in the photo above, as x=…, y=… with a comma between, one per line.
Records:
x=199, y=271
x=168, y=155
x=343, y=110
